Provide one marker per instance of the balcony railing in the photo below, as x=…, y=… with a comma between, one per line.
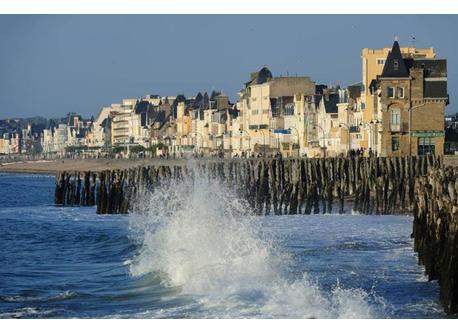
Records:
x=395, y=127
x=403, y=127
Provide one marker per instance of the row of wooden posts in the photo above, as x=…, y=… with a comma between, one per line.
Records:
x=271, y=186
x=435, y=231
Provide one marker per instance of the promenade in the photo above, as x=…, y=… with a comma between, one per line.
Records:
x=96, y=165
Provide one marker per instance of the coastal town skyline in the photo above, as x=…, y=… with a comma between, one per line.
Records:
x=55, y=76
x=228, y=160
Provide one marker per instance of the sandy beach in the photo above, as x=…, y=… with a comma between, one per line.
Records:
x=53, y=167
x=70, y=165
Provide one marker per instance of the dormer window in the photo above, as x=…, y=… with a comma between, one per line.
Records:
x=396, y=65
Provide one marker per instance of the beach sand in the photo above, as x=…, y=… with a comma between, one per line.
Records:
x=71, y=165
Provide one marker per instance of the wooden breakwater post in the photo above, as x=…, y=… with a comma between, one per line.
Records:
x=271, y=186
x=435, y=231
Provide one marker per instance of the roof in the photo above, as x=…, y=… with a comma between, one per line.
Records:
x=433, y=68
x=142, y=107
x=260, y=77
x=373, y=86
x=355, y=90
x=330, y=102
x=394, y=64
x=435, y=89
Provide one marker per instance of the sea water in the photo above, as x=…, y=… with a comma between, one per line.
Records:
x=193, y=249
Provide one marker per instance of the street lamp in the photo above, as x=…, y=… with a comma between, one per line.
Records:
x=370, y=125
x=202, y=141
x=298, y=143
x=348, y=130
x=264, y=141
x=324, y=137
x=249, y=139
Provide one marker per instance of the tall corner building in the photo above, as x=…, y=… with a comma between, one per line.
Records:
x=403, y=99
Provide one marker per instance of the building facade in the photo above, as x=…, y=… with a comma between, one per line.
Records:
x=411, y=95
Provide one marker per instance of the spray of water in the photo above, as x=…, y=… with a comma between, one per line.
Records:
x=205, y=242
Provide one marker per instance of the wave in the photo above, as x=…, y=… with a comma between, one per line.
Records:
x=33, y=298
x=200, y=237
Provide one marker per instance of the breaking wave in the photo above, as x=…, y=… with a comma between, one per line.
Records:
x=205, y=242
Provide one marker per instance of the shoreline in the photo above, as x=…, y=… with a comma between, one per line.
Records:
x=53, y=167
x=79, y=165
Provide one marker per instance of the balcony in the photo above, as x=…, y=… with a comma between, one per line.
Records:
x=395, y=127
x=403, y=127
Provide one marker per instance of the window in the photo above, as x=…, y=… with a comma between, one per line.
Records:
x=426, y=146
x=395, y=143
x=380, y=61
x=400, y=92
x=395, y=120
x=390, y=92
x=254, y=112
x=396, y=65
x=363, y=106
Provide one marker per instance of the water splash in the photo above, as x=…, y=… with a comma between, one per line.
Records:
x=203, y=240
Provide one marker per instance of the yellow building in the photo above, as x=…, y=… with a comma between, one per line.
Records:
x=184, y=128
x=4, y=146
x=268, y=107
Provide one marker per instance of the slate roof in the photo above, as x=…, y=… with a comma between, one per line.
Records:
x=142, y=107
x=433, y=68
x=260, y=77
x=373, y=86
x=355, y=90
x=394, y=64
x=435, y=75
x=435, y=89
x=330, y=102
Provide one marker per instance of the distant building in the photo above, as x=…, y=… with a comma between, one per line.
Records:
x=266, y=102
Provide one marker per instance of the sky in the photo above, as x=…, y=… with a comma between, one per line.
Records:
x=54, y=64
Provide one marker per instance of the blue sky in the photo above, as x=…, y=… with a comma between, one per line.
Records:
x=54, y=64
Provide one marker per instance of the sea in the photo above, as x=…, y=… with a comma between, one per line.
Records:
x=193, y=249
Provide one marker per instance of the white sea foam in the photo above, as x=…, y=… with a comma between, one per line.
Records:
x=204, y=240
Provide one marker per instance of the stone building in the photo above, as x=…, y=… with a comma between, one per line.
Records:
x=410, y=99
x=373, y=62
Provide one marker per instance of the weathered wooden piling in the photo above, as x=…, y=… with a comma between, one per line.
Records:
x=271, y=186
x=435, y=230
